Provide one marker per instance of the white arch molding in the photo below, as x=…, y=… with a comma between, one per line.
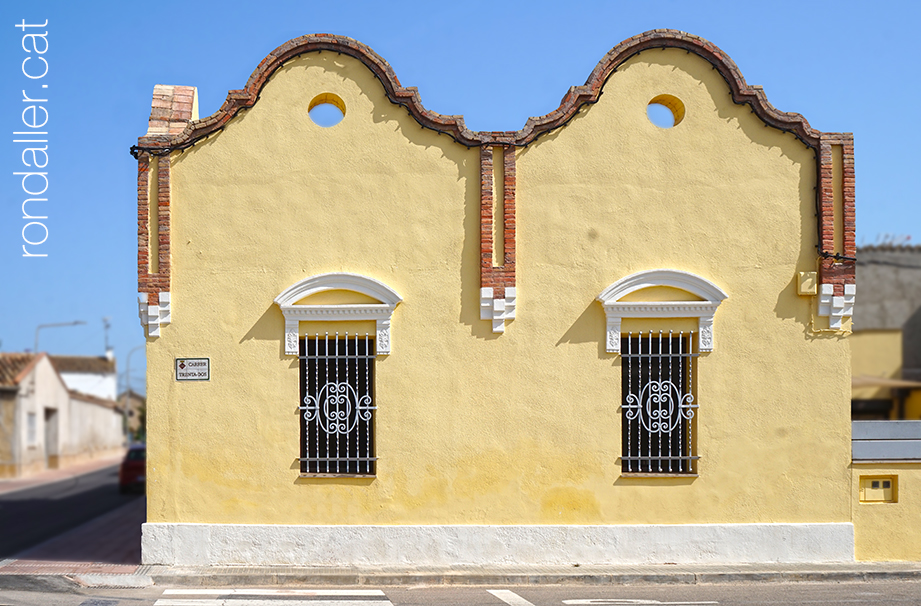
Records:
x=379, y=312
x=615, y=310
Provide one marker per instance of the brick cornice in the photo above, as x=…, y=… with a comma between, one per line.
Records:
x=247, y=96
x=454, y=126
x=742, y=92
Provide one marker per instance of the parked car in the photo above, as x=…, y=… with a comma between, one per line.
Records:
x=133, y=473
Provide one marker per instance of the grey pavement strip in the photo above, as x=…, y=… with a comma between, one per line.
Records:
x=272, y=601
x=339, y=593
x=271, y=597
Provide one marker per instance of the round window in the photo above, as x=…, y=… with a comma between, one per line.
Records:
x=665, y=111
x=326, y=110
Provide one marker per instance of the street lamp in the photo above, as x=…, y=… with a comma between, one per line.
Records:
x=41, y=326
x=128, y=390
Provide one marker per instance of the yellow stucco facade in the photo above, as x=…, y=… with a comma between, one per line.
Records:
x=476, y=427
x=887, y=529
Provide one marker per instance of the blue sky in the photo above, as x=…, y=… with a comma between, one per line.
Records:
x=846, y=66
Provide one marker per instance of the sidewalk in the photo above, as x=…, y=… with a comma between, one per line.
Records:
x=84, y=557
x=56, y=475
x=106, y=552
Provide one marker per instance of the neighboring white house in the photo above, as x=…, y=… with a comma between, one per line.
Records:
x=45, y=425
x=92, y=375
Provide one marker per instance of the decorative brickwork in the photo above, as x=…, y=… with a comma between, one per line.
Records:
x=497, y=281
x=171, y=111
x=171, y=128
x=153, y=283
x=836, y=271
x=497, y=276
x=409, y=98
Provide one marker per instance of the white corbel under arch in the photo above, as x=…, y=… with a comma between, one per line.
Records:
x=379, y=312
x=615, y=310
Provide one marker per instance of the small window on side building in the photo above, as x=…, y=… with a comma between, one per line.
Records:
x=32, y=429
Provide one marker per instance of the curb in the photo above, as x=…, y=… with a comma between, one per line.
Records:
x=204, y=577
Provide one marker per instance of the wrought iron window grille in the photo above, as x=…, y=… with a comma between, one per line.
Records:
x=337, y=405
x=659, y=403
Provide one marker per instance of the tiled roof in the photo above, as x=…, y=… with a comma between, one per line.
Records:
x=132, y=395
x=888, y=288
x=85, y=397
x=12, y=365
x=90, y=364
x=902, y=248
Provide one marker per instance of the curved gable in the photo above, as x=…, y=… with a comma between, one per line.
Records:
x=409, y=98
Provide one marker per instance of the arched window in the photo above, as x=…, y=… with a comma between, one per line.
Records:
x=337, y=374
x=659, y=369
x=615, y=310
x=380, y=312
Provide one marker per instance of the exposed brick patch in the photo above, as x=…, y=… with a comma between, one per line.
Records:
x=501, y=276
x=832, y=271
x=153, y=283
x=170, y=113
x=143, y=218
x=486, y=215
x=171, y=109
x=509, y=158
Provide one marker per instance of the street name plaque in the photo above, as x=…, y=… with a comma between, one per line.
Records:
x=193, y=369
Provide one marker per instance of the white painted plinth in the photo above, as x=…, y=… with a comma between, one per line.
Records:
x=383, y=546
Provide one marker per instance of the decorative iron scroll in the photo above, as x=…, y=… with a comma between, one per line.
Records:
x=337, y=408
x=659, y=406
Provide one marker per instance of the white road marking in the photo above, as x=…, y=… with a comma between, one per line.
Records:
x=617, y=601
x=510, y=597
x=299, y=592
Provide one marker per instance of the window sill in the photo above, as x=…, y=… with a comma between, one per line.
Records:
x=658, y=475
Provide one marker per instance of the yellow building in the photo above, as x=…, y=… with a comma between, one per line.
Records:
x=886, y=386
x=886, y=343
x=393, y=340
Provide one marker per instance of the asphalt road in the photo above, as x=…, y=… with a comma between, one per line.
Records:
x=896, y=593
x=32, y=516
